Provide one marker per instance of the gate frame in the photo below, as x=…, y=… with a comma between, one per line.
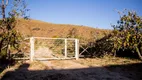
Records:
x=32, y=41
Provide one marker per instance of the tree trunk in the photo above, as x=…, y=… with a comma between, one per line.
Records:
x=3, y=10
x=139, y=52
x=8, y=52
x=3, y=6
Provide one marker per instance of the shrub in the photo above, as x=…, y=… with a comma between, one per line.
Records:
x=128, y=33
x=9, y=38
x=126, y=36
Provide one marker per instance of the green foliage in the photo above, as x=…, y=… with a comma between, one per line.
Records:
x=98, y=45
x=128, y=33
x=126, y=36
x=10, y=38
x=103, y=46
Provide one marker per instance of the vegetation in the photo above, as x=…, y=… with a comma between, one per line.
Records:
x=126, y=36
x=9, y=37
x=72, y=33
x=27, y=29
x=128, y=33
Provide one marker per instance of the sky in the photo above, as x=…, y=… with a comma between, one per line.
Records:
x=92, y=13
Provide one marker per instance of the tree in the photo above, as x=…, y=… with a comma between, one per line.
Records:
x=3, y=6
x=127, y=34
x=9, y=37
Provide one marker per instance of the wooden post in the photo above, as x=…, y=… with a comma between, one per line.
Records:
x=76, y=49
x=65, y=48
x=32, y=48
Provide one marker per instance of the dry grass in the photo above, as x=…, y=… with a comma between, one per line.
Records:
x=43, y=29
x=37, y=65
x=107, y=60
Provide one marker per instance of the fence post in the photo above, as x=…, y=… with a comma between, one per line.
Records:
x=76, y=49
x=32, y=48
x=65, y=48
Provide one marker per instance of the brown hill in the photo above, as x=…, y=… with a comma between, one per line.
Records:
x=43, y=29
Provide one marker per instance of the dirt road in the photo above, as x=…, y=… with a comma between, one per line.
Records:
x=66, y=70
x=78, y=71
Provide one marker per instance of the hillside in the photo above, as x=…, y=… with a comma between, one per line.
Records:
x=43, y=29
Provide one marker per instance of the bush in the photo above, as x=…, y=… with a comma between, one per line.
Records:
x=126, y=36
x=128, y=33
x=9, y=37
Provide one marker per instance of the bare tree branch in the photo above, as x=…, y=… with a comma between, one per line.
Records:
x=7, y=1
x=3, y=9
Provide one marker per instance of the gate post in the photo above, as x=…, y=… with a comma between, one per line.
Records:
x=65, y=48
x=31, y=48
x=76, y=49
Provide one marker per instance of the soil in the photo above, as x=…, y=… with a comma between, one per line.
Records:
x=82, y=69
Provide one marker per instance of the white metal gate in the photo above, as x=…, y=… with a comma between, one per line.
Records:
x=65, y=48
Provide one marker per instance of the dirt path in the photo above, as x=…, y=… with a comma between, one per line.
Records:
x=83, y=72
x=63, y=64
x=63, y=70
